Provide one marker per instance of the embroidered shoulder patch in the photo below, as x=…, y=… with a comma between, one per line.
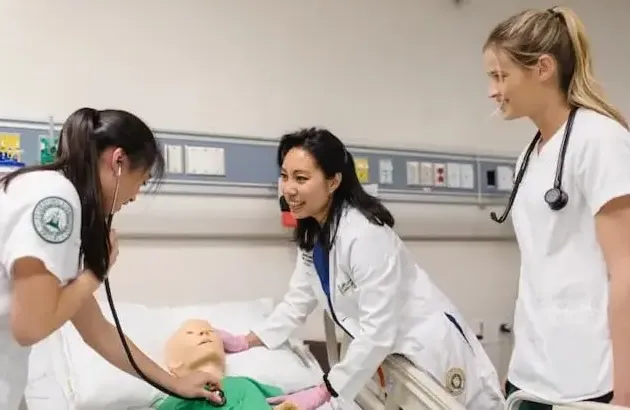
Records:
x=53, y=219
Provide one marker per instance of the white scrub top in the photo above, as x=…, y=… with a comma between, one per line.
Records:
x=40, y=217
x=562, y=348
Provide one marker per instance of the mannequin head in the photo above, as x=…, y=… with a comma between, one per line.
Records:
x=195, y=346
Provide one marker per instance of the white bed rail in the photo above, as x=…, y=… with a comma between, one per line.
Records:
x=411, y=388
x=515, y=399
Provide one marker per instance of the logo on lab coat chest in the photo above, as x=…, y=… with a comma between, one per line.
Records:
x=307, y=258
x=346, y=287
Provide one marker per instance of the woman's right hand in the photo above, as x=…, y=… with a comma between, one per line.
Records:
x=113, y=252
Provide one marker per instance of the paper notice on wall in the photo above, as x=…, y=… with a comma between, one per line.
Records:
x=362, y=167
x=10, y=147
x=47, y=149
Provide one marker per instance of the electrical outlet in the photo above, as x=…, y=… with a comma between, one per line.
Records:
x=467, y=176
x=505, y=178
x=439, y=175
x=426, y=174
x=412, y=173
x=453, y=177
x=385, y=171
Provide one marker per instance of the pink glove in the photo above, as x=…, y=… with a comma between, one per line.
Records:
x=309, y=399
x=232, y=343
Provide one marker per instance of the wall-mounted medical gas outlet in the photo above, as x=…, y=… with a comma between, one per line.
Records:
x=505, y=178
x=413, y=174
x=174, y=158
x=453, y=175
x=467, y=176
x=200, y=160
x=385, y=172
x=426, y=174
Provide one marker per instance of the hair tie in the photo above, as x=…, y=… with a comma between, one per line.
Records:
x=556, y=14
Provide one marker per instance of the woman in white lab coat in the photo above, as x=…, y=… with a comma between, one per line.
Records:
x=55, y=246
x=571, y=213
x=351, y=262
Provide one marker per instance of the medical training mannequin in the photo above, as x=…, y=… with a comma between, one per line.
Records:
x=352, y=263
x=56, y=249
x=197, y=346
x=571, y=326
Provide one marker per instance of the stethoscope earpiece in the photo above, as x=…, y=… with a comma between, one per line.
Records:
x=555, y=197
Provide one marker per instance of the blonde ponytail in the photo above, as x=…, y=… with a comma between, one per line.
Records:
x=584, y=91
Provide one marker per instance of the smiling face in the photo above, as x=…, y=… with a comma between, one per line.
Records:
x=513, y=87
x=195, y=346
x=304, y=185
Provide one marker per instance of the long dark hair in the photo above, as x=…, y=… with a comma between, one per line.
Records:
x=84, y=136
x=332, y=157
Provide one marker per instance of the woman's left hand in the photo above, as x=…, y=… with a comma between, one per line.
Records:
x=199, y=384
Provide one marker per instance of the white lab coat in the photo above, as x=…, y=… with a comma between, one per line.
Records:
x=389, y=305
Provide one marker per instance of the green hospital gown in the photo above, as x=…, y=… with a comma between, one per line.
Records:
x=241, y=393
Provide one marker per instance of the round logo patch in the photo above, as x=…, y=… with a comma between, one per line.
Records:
x=53, y=219
x=455, y=381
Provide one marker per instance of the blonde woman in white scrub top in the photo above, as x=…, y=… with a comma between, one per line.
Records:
x=572, y=318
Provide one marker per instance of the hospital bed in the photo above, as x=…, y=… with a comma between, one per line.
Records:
x=405, y=386
x=65, y=374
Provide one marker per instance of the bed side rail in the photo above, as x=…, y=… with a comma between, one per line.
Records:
x=411, y=388
x=515, y=399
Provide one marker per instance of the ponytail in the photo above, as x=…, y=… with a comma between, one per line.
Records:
x=78, y=153
x=584, y=90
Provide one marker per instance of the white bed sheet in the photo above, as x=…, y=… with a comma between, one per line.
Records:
x=60, y=361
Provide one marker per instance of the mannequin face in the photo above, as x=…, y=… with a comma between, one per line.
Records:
x=195, y=346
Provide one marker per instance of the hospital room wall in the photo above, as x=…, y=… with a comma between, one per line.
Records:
x=399, y=73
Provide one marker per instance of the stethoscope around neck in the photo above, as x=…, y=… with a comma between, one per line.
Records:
x=555, y=197
x=121, y=333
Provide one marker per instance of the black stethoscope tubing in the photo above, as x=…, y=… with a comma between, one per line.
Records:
x=555, y=197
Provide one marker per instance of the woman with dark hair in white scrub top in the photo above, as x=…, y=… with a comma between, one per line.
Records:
x=571, y=213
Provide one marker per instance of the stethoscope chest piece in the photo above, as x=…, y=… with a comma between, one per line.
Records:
x=556, y=198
